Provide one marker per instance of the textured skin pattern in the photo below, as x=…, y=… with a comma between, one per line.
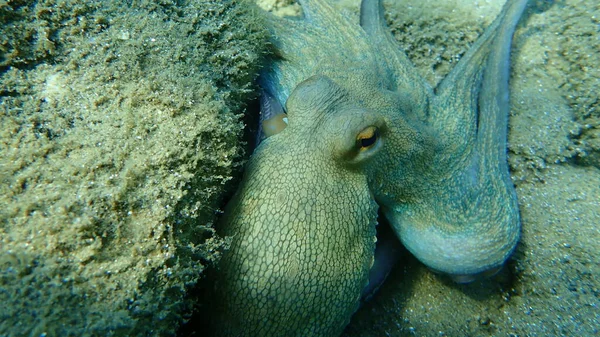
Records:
x=303, y=231
x=453, y=204
x=303, y=220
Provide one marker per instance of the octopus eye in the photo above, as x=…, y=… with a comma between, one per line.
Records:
x=367, y=138
x=274, y=125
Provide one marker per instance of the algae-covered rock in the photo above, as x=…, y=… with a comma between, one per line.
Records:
x=120, y=128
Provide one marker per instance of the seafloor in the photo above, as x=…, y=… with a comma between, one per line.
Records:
x=120, y=132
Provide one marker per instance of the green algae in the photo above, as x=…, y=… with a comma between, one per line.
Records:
x=121, y=128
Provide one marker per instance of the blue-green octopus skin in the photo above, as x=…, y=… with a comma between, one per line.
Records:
x=452, y=205
x=365, y=130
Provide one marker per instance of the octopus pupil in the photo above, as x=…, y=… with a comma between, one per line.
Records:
x=366, y=142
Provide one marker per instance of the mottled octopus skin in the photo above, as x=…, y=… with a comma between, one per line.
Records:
x=303, y=235
x=452, y=205
x=302, y=224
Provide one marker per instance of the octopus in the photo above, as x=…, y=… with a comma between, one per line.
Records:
x=355, y=131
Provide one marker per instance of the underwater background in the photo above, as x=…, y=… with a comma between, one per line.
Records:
x=122, y=134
